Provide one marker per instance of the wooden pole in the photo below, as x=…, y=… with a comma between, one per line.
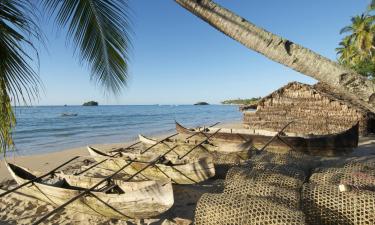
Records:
x=87, y=169
x=276, y=135
x=37, y=178
x=87, y=191
x=122, y=149
x=151, y=163
x=200, y=144
x=158, y=142
x=200, y=132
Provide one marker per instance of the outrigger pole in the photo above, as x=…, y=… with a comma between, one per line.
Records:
x=37, y=178
x=200, y=132
x=200, y=144
x=277, y=135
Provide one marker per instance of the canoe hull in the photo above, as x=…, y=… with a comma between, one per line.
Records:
x=189, y=173
x=331, y=144
x=148, y=201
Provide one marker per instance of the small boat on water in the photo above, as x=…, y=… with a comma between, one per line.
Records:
x=330, y=144
x=185, y=171
x=142, y=199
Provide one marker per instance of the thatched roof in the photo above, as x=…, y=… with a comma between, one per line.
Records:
x=322, y=89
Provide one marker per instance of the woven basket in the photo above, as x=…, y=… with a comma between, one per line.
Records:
x=216, y=209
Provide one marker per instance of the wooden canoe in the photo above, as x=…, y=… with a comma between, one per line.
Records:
x=330, y=144
x=142, y=199
x=179, y=171
x=222, y=153
x=213, y=146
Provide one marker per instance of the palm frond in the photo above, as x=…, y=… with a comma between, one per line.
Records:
x=99, y=29
x=19, y=82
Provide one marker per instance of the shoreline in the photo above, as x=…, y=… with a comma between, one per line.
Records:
x=47, y=161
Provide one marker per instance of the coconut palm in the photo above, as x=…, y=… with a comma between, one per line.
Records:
x=341, y=79
x=97, y=29
x=348, y=54
x=361, y=34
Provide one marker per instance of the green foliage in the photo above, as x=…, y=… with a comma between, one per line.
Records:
x=357, y=50
x=98, y=29
x=18, y=81
x=239, y=101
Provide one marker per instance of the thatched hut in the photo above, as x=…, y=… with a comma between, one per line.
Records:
x=315, y=109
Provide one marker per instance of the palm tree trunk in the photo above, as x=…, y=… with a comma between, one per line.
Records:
x=344, y=81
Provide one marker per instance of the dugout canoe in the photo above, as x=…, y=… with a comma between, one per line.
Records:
x=187, y=171
x=142, y=199
x=330, y=144
x=222, y=153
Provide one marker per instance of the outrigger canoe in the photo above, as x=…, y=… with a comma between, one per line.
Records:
x=222, y=153
x=330, y=144
x=179, y=171
x=142, y=199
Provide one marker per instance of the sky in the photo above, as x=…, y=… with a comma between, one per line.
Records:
x=179, y=59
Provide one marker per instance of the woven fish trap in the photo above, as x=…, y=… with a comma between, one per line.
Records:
x=216, y=209
x=357, y=179
x=325, y=204
x=304, y=163
x=268, y=177
x=288, y=197
x=243, y=171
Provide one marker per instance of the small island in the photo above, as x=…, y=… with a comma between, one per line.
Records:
x=239, y=101
x=201, y=103
x=91, y=103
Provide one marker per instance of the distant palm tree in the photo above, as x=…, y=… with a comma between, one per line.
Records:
x=97, y=29
x=341, y=79
x=361, y=35
x=347, y=52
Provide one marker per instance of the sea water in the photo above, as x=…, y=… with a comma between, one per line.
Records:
x=44, y=129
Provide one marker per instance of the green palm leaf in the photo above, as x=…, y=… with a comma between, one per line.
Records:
x=18, y=81
x=99, y=29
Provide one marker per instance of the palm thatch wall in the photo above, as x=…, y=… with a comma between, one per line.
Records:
x=315, y=108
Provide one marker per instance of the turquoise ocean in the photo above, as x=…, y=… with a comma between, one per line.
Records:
x=42, y=129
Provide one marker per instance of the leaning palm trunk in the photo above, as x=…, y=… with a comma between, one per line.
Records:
x=345, y=81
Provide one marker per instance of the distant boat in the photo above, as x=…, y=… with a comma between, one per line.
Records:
x=69, y=114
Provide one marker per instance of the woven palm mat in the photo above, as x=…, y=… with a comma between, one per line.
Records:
x=216, y=209
x=325, y=204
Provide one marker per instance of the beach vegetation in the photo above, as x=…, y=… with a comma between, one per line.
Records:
x=98, y=31
x=239, y=101
x=356, y=50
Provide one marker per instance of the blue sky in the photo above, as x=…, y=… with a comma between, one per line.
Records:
x=179, y=59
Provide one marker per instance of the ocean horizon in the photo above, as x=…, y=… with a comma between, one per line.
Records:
x=44, y=129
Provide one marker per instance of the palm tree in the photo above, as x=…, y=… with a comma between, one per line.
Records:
x=348, y=54
x=361, y=34
x=98, y=29
x=342, y=79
